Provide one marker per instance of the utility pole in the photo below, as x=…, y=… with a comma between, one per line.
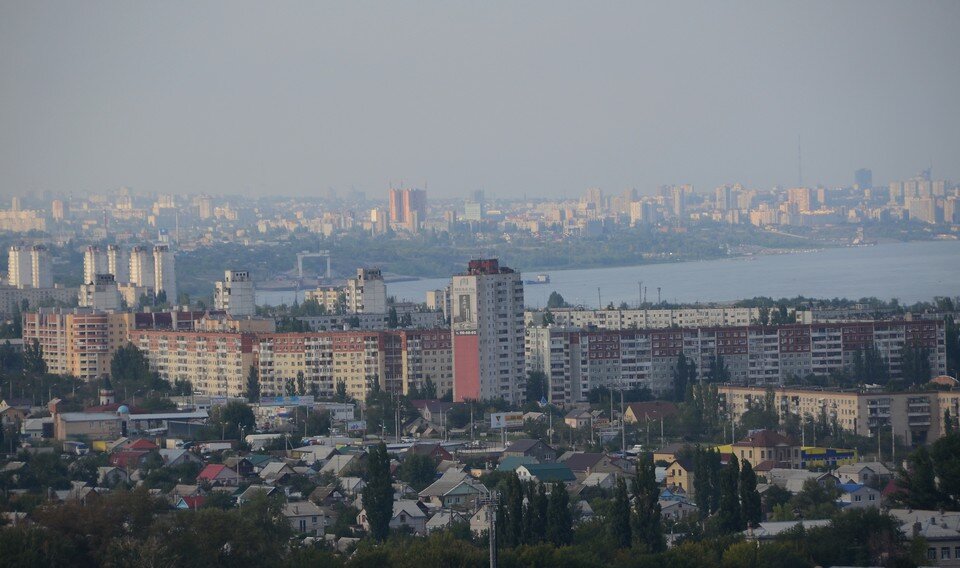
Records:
x=658, y=295
x=623, y=429
x=599, y=301
x=492, y=503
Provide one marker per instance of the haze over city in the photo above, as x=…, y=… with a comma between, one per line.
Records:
x=537, y=99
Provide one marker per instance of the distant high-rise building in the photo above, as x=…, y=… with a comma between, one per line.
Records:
x=19, y=269
x=94, y=262
x=118, y=263
x=367, y=293
x=801, y=198
x=486, y=304
x=165, y=272
x=723, y=196
x=863, y=178
x=41, y=267
x=101, y=294
x=235, y=294
x=679, y=195
x=408, y=206
x=205, y=207
x=15, y=203
x=896, y=192
x=142, y=271
x=58, y=210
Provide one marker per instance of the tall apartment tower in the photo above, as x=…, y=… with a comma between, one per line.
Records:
x=94, y=262
x=235, y=294
x=118, y=263
x=367, y=293
x=41, y=267
x=408, y=206
x=205, y=207
x=19, y=269
x=141, y=268
x=486, y=321
x=165, y=272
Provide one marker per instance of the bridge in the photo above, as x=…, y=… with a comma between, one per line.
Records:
x=318, y=254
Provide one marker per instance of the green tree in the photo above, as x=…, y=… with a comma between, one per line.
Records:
x=647, y=528
x=228, y=420
x=620, y=516
x=915, y=365
x=556, y=301
x=536, y=386
x=429, y=391
x=130, y=368
x=33, y=358
x=559, y=517
x=301, y=384
x=945, y=454
x=378, y=494
x=392, y=320
x=253, y=385
x=718, y=372
x=749, y=497
x=731, y=518
x=537, y=511
x=418, y=470
x=684, y=374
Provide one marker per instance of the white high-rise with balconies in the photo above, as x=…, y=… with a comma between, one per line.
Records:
x=118, y=263
x=486, y=320
x=94, y=262
x=165, y=272
x=19, y=271
x=367, y=293
x=235, y=294
x=41, y=267
x=141, y=268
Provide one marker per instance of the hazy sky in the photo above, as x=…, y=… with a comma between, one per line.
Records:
x=535, y=98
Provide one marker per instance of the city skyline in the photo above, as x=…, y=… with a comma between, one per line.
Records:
x=540, y=100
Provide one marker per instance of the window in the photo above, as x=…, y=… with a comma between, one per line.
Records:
x=931, y=553
x=945, y=553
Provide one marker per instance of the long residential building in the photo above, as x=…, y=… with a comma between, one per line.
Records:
x=637, y=318
x=82, y=341
x=218, y=363
x=576, y=360
x=914, y=417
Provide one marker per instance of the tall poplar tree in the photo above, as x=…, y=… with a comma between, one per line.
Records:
x=749, y=496
x=730, y=514
x=620, y=515
x=378, y=494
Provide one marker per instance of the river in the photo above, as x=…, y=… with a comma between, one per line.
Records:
x=910, y=272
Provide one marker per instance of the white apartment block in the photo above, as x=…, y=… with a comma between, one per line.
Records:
x=165, y=272
x=367, y=293
x=488, y=332
x=235, y=294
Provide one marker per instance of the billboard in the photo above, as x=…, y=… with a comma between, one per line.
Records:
x=356, y=426
x=506, y=419
x=286, y=401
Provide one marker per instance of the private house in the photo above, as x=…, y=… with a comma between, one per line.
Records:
x=531, y=448
x=546, y=473
x=680, y=475
x=352, y=486
x=940, y=531
x=109, y=476
x=240, y=464
x=190, y=502
x=305, y=517
x=218, y=475
x=578, y=418
x=655, y=410
x=442, y=520
x=275, y=472
x=435, y=452
x=453, y=489
x=669, y=452
x=677, y=509
x=858, y=496
x=343, y=465
x=583, y=463
x=254, y=490
x=511, y=463
x=174, y=458
x=480, y=520
x=406, y=513
x=767, y=445
x=874, y=474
